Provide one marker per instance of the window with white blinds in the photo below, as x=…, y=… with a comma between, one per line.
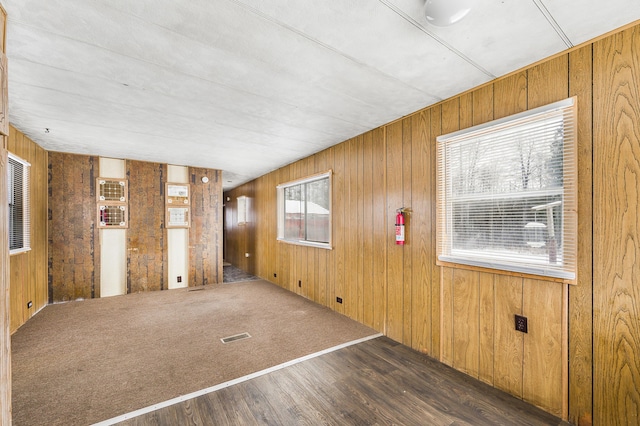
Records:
x=507, y=193
x=19, y=210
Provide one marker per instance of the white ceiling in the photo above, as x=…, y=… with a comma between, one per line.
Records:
x=247, y=86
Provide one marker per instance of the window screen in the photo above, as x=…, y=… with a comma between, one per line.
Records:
x=507, y=193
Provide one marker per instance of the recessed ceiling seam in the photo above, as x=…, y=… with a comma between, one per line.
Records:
x=543, y=9
x=327, y=46
x=419, y=26
x=233, y=88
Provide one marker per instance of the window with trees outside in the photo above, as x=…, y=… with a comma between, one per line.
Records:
x=19, y=209
x=507, y=193
x=304, y=211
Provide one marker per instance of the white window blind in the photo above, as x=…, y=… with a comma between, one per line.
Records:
x=507, y=193
x=304, y=211
x=19, y=205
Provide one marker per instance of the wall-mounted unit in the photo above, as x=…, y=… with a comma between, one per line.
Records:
x=112, y=203
x=177, y=205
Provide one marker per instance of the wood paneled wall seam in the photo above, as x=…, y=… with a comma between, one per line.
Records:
x=616, y=229
x=5, y=301
x=409, y=291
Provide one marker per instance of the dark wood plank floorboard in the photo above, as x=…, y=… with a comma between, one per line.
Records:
x=377, y=382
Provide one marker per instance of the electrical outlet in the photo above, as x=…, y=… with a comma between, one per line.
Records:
x=179, y=278
x=299, y=283
x=339, y=299
x=275, y=275
x=521, y=323
x=29, y=304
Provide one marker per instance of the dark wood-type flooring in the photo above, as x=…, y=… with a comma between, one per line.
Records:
x=375, y=382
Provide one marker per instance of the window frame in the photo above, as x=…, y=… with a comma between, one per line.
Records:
x=242, y=204
x=280, y=207
x=26, y=203
x=566, y=268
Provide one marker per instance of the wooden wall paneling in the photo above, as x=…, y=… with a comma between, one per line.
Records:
x=322, y=255
x=367, y=225
x=264, y=220
x=395, y=258
x=446, y=315
x=580, y=295
x=5, y=297
x=301, y=251
x=510, y=95
x=205, y=234
x=548, y=82
x=72, y=183
x=436, y=130
x=267, y=221
x=508, y=343
x=407, y=259
x=312, y=272
x=340, y=200
x=352, y=223
x=466, y=110
x=272, y=228
x=18, y=267
x=330, y=295
x=487, y=311
x=616, y=229
x=3, y=29
x=146, y=239
x=294, y=250
x=466, y=321
x=39, y=228
x=420, y=243
x=380, y=229
x=32, y=256
x=450, y=121
x=257, y=228
x=482, y=107
x=312, y=252
x=544, y=366
x=284, y=248
x=359, y=229
x=4, y=98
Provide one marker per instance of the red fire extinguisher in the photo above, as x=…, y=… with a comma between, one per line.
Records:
x=400, y=227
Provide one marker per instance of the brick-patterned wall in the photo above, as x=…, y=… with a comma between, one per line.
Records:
x=74, y=258
x=205, y=234
x=146, y=239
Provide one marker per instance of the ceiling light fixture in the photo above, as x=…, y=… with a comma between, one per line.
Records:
x=442, y=13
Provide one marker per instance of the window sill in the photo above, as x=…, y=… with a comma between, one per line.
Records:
x=19, y=251
x=503, y=272
x=326, y=246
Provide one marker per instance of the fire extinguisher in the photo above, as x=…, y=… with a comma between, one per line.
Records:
x=400, y=227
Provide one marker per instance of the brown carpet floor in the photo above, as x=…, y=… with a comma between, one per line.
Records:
x=86, y=361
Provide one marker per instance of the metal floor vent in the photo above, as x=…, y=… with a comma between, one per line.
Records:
x=240, y=336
